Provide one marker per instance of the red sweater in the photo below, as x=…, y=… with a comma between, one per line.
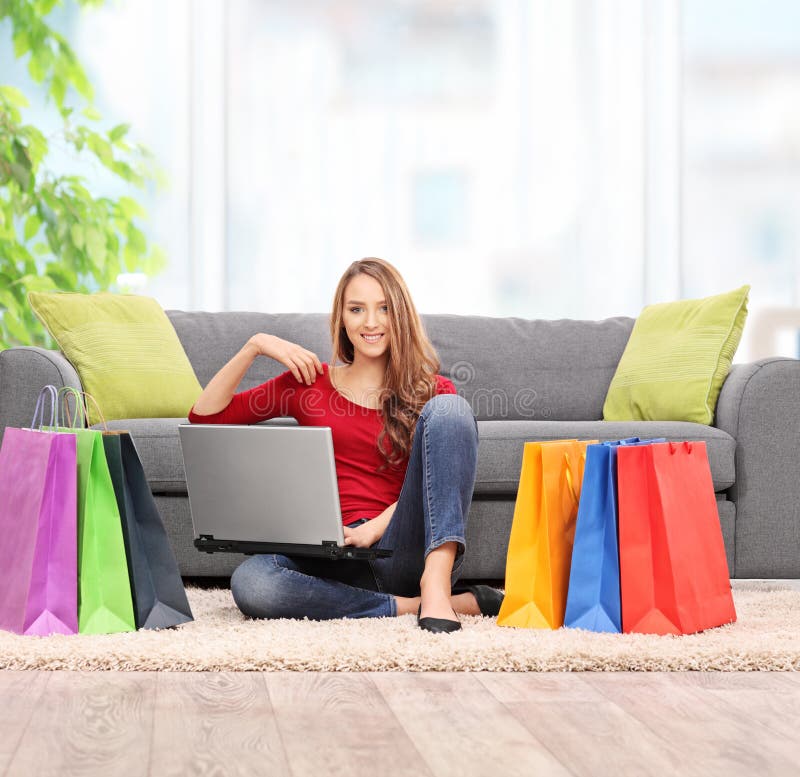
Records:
x=364, y=492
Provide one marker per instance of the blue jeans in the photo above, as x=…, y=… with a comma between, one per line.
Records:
x=431, y=510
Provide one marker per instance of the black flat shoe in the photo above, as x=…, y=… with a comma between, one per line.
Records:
x=489, y=599
x=437, y=625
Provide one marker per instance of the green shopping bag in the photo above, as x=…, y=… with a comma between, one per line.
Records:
x=105, y=604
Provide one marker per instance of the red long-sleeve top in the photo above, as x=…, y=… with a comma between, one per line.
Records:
x=364, y=491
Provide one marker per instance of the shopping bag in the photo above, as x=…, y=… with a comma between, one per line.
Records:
x=593, y=597
x=104, y=592
x=673, y=570
x=542, y=533
x=159, y=597
x=38, y=551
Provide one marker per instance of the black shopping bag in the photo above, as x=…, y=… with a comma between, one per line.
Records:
x=159, y=598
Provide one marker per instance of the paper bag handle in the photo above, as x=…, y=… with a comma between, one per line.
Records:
x=65, y=392
x=40, y=407
x=83, y=396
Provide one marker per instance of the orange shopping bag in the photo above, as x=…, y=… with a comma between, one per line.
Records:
x=673, y=572
x=540, y=547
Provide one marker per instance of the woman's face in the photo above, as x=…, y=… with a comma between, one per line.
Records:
x=366, y=313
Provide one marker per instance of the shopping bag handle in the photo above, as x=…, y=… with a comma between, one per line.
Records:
x=82, y=396
x=40, y=407
x=99, y=411
x=80, y=411
x=570, y=486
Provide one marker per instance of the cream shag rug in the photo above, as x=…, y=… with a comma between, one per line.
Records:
x=765, y=637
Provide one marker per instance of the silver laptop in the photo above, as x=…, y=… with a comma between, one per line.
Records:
x=265, y=489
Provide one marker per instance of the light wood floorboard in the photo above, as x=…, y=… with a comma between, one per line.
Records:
x=715, y=736
x=87, y=724
x=339, y=724
x=588, y=733
x=215, y=724
x=766, y=699
x=461, y=724
x=460, y=729
x=20, y=694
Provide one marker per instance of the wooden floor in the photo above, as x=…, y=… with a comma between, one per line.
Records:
x=496, y=724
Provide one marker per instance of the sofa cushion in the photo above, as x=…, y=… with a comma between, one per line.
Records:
x=499, y=450
x=125, y=351
x=520, y=369
x=506, y=368
x=677, y=359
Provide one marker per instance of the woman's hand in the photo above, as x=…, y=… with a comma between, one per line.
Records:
x=366, y=535
x=363, y=536
x=304, y=364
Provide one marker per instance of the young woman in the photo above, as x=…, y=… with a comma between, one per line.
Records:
x=405, y=446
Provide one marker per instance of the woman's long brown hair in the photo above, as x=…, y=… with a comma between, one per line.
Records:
x=410, y=379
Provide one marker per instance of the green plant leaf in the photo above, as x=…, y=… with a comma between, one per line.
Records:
x=39, y=63
x=22, y=43
x=101, y=148
x=15, y=327
x=32, y=225
x=96, y=247
x=118, y=132
x=37, y=282
x=37, y=145
x=136, y=239
x=14, y=96
x=45, y=6
x=130, y=208
x=78, y=236
x=81, y=83
x=58, y=89
x=64, y=278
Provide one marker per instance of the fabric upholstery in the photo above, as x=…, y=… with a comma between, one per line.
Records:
x=676, y=360
x=760, y=406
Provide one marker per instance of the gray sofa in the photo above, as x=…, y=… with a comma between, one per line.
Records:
x=525, y=380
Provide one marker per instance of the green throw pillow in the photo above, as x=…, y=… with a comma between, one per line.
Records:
x=677, y=359
x=124, y=349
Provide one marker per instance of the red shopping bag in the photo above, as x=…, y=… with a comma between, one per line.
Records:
x=673, y=571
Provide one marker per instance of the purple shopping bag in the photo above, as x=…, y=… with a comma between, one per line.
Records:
x=38, y=527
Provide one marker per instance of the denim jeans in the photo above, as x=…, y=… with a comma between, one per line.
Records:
x=431, y=510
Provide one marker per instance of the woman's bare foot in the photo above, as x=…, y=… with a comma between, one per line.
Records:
x=465, y=604
x=435, y=599
x=407, y=605
x=462, y=604
x=434, y=584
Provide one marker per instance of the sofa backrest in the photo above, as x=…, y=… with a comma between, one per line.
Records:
x=506, y=368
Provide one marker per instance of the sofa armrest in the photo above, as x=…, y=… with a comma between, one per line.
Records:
x=23, y=373
x=759, y=406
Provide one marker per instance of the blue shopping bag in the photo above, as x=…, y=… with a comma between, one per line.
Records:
x=593, y=596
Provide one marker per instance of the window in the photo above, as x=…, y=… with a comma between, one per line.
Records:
x=741, y=162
